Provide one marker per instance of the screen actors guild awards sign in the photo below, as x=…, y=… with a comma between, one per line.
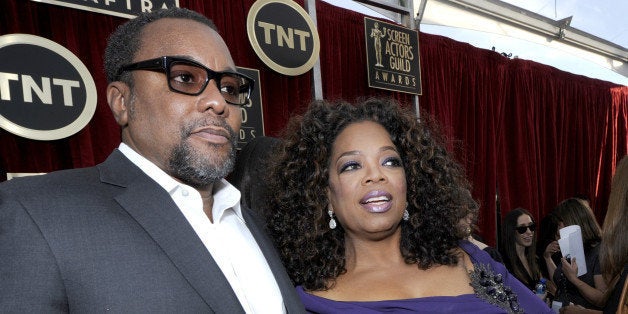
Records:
x=392, y=54
x=283, y=36
x=46, y=92
x=252, y=113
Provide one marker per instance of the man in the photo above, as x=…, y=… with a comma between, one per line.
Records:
x=155, y=228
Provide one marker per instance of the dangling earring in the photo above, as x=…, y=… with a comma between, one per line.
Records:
x=406, y=214
x=332, y=221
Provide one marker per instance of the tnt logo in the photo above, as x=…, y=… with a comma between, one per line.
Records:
x=283, y=36
x=46, y=93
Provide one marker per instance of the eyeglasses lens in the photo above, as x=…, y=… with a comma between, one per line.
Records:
x=234, y=88
x=191, y=79
x=187, y=78
x=523, y=229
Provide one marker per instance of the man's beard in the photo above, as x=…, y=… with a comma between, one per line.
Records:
x=201, y=170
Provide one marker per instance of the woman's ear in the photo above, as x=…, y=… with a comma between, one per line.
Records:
x=117, y=98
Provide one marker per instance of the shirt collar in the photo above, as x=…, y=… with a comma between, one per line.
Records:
x=225, y=195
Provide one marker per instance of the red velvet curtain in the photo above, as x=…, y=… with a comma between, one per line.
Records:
x=465, y=89
x=527, y=133
x=555, y=140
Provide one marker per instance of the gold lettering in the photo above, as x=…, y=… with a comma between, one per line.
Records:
x=302, y=35
x=147, y=6
x=400, y=64
x=283, y=36
x=399, y=37
x=267, y=28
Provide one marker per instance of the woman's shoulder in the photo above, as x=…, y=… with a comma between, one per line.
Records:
x=479, y=256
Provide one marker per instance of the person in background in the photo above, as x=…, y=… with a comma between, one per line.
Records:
x=468, y=224
x=366, y=208
x=249, y=173
x=588, y=289
x=518, y=246
x=548, y=248
x=151, y=229
x=479, y=242
x=614, y=247
x=584, y=198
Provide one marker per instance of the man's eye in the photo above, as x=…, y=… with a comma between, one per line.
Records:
x=229, y=89
x=183, y=78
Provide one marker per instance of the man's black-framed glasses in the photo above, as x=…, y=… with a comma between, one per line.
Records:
x=523, y=229
x=191, y=78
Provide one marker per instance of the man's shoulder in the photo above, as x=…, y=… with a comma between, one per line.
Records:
x=59, y=177
x=68, y=179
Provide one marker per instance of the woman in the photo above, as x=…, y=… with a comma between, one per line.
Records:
x=614, y=247
x=548, y=248
x=547, y=241
x=366, y=206
x=468, y=224
x=588, y=289
x=518, y=246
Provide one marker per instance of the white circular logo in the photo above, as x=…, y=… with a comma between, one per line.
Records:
x=46, y=92
x=283, y=36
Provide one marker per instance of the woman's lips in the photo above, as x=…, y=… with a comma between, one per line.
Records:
x=377, y=201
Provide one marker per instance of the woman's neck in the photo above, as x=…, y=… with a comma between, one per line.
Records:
x=361, y=254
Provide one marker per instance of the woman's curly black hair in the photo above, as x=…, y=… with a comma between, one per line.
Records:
x=314, y=254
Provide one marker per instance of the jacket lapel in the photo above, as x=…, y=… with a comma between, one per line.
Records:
x=155, y=211
x=288, y=292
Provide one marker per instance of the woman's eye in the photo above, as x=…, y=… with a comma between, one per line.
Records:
x=349, y=166
x=392, y=162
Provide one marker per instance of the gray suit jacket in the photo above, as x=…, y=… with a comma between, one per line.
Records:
x=110, y=239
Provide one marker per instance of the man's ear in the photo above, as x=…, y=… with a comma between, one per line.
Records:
x=118, y=95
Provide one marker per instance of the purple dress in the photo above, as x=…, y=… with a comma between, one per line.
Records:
x=497, y=291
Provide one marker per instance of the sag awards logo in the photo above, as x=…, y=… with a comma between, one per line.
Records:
x=393, y=57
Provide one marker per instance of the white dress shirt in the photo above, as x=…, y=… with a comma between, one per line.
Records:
x=227, y=239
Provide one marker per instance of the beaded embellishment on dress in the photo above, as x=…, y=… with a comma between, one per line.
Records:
x=490, y=287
